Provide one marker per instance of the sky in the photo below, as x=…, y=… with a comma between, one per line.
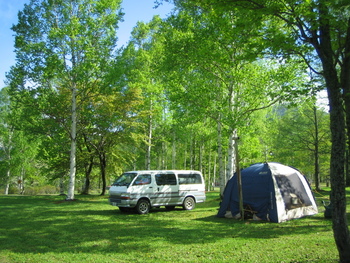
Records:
x=135, y=10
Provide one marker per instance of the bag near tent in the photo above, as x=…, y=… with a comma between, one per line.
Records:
x=271, y=191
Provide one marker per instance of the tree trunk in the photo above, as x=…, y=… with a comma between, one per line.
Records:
x=222, y=178
x=347, y=168
x=239, y=178
x=62, y=186
x=201, y=153
x=7, y=185
x=88, y=170
x=173, y=155
x=337, y=125
x=103, y=164
x=338, y=196
x=88, y=167
x=191, y=152
x=345, y=84
x=214, y=175
x=317, y=152
x=231, y=162
x=149, y=144
x=72, y=170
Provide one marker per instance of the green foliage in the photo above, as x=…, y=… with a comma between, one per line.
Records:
x=18, y=152
x=66, y=57
x=167, y=89
x=295, y=135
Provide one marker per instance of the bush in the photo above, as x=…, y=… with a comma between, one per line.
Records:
x=40, y=190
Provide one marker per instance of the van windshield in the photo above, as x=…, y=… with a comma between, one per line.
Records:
x=125, y=179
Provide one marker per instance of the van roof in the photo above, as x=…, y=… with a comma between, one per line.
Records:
x=157, y=171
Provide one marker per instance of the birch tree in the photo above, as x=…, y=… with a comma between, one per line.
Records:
x=319, y=32
x=216, y=61
x=305, y=129
x=18, y=151
x=148, y=50
x=69, y=42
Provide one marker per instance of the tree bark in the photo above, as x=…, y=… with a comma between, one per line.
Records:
x=173, y=150
x=222, y=178
x=337, y=125
x=231, y=155
x=345, y=84
x=88, y=170
x=72, y=170
x=7, y=185
x=103, y=165
x=149, y=143
x=317, y=152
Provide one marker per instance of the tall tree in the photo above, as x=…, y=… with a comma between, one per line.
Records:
x=215, y=60
x=319, y=32
x=17, y=150
x=148, y=50
x=305, y=129
x=111, y=121
x=69, y=42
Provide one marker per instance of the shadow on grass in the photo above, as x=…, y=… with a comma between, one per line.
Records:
x=91, y=225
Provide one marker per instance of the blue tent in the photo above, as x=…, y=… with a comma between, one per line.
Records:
x=271, y=191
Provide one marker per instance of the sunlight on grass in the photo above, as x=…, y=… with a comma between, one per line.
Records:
x=48, y=229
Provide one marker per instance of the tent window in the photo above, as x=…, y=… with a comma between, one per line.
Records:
x=293, y=191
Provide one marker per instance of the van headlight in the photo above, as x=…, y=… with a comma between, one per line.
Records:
x=125, y=196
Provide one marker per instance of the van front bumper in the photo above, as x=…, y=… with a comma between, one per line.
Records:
x=119, y=202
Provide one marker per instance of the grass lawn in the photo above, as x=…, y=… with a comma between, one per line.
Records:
x=47, y=229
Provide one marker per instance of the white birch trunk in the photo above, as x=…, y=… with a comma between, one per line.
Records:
x=72, y=170
x=222, y=180
x=149, y=146
x=149, y=141
x=201, y=153
x=191, y=153
x=173, y=155
x=7, y=186
x=231, y=156
x=209, y=179
x=185, y=157
x=8, y=150
x=214, y=174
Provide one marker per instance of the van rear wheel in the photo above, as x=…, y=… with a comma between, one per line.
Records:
x=189, y=203
x=143, y=206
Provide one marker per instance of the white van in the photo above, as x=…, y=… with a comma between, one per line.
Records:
x=143, y=190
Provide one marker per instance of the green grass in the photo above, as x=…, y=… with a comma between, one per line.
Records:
x=47, y=229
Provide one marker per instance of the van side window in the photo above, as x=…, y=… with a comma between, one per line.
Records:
x=190, y=179
x=143, y=179
x=165, y=179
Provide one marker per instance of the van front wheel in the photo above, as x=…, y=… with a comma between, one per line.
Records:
x=143, y=207
x=189, y=203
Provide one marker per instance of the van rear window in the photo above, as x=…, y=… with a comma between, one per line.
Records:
x=190, y=179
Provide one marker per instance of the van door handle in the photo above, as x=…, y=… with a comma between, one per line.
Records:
x=150, y=187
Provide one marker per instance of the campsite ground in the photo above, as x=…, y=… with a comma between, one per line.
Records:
x=47, y=229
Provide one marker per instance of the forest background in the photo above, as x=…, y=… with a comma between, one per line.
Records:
x=155, y=107
x=185, y=93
